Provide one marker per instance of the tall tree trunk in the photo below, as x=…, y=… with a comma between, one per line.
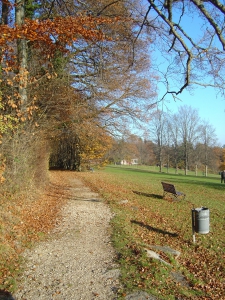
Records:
x=3, y=21
x=206, y=160
x=206, y=170
x=21, y=55
x=4, y=13
x=168, y=161
x=160, y=156
x=186, y=157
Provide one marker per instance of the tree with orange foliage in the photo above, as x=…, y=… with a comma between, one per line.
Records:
x=107, y=78
x=74, y=64
x=29, y=50
x=222, y=164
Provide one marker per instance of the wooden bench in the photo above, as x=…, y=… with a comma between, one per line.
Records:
x=170, y=189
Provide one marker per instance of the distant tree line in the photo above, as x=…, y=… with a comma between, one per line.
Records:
x=179, y=140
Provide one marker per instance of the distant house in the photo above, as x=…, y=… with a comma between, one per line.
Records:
x=133, y=161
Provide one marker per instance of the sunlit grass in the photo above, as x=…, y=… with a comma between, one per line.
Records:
x=143, y=218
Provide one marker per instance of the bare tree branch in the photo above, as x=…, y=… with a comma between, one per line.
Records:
x=194, y=54
x=182, y=42
x=217, y=29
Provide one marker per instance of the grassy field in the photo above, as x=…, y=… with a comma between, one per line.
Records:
x=144, y=220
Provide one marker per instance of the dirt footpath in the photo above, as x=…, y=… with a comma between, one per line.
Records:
x=77, y=260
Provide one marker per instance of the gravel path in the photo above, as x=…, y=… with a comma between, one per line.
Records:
x=77, y=261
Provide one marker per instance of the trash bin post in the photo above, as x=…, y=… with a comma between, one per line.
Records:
x=193, y=224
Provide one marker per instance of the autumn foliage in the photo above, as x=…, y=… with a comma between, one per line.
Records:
x=65, y=30
x=23, y=105
x=58, y=73
x=71, y=74
x=39, y=108
x=222, y=165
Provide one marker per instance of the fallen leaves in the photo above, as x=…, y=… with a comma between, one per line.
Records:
x=26, y=220
x=162, y=223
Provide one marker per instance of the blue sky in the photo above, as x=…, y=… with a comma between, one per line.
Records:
x=210, y=106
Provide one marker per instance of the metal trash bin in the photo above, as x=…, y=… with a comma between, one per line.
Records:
x=200, y=220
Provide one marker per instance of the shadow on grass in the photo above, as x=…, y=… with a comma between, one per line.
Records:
x=181, y=178
x=150, y=228
x=5, y=295
x=148, y=195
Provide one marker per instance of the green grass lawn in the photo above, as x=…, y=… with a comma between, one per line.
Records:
x=144, y=219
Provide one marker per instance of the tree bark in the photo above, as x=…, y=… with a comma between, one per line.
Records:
x=21, y=55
